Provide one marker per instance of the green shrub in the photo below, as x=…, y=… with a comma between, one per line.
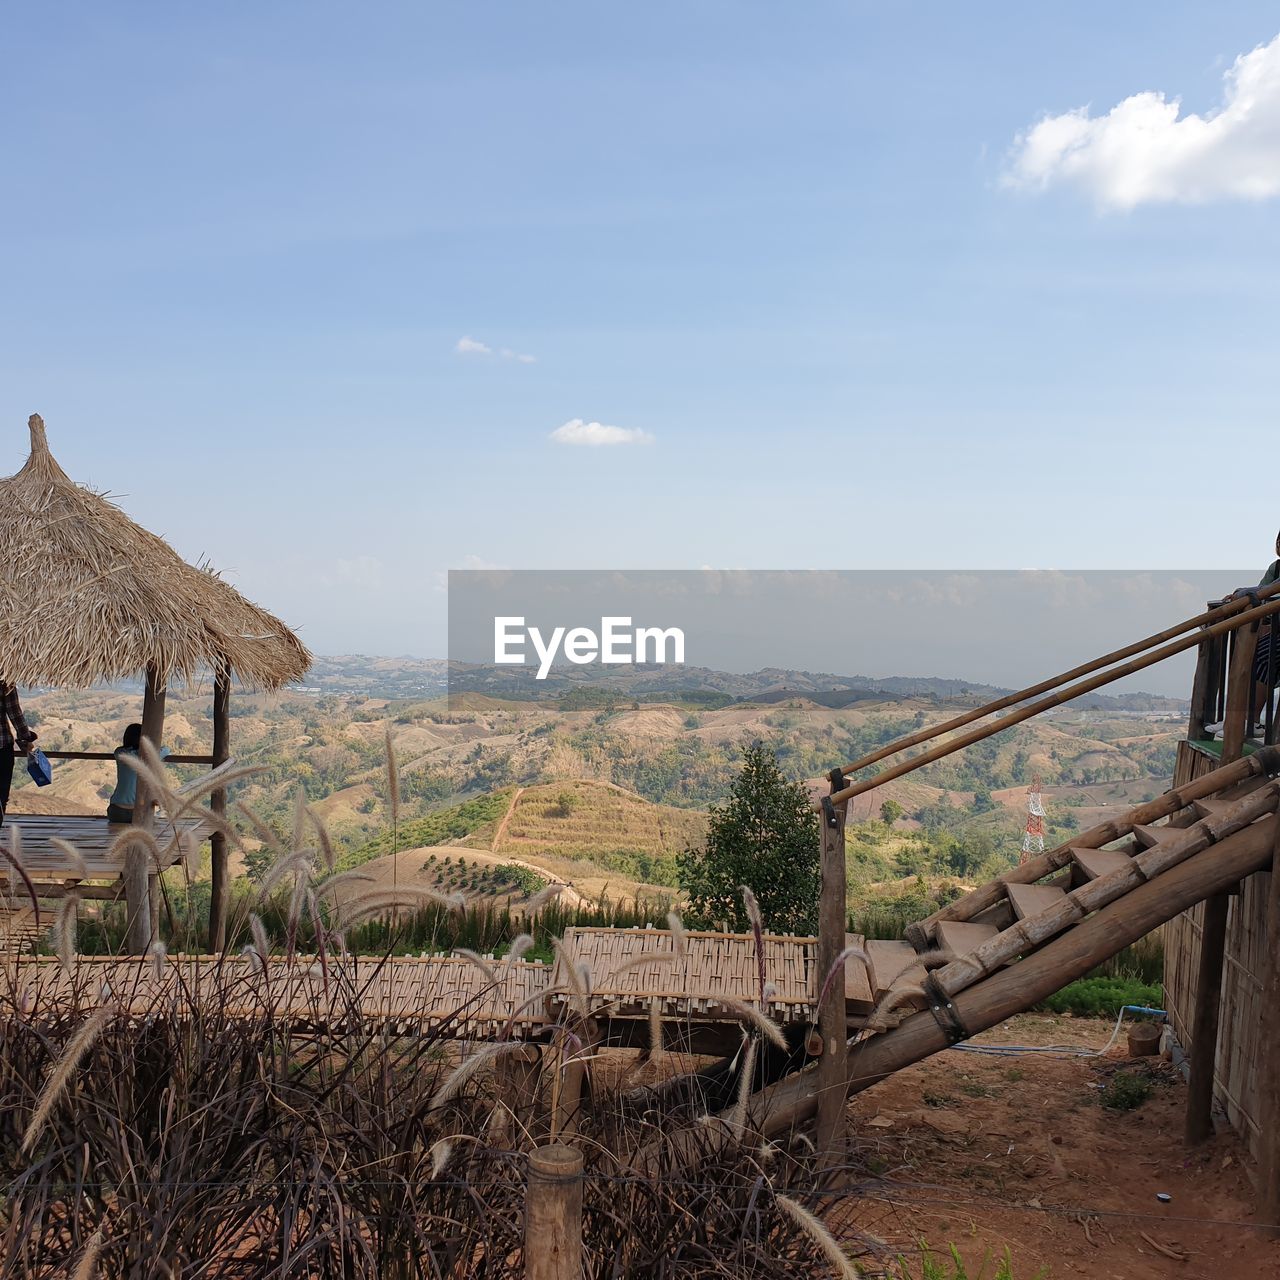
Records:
x=1126, y=1091
x=1102, y=997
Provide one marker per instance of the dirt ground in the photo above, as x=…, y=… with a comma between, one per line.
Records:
x=989, y=1152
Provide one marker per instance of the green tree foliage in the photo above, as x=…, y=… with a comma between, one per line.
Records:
x=890, y=812
x=766, y=836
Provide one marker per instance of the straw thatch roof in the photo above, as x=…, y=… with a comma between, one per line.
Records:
x=86, y=595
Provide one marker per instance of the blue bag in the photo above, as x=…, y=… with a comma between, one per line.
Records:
x=39, y=768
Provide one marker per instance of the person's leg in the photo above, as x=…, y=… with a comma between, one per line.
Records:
x=6, y=779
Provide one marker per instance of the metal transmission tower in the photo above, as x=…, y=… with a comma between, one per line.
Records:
x=1033, y=836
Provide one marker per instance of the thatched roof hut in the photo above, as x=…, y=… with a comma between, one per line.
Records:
x=86, y=595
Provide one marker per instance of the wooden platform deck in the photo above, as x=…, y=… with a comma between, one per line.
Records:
x=91, y=837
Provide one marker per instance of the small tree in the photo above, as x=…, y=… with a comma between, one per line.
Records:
x=890, y=812
x=766, y=836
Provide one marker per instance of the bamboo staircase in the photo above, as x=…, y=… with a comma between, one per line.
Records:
x=1007, y=945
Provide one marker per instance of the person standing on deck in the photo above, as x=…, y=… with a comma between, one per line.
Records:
x=15, y=738
x=1266, y=638
x=120, y=806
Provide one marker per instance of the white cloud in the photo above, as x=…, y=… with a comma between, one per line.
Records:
x=474, y=347
x=1143, y=151
x=594, y=434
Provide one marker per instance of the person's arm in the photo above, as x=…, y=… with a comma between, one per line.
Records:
x=22, y=734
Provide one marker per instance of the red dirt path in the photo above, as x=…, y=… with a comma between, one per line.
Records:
x=989, y=1152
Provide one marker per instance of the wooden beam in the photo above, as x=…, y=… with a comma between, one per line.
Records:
x=138, y=875
x=1202, y=688
x=220, y=887
x=1269, y=1057
x=832, y=919
x=111, y=755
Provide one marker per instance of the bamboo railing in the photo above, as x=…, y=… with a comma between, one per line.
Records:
x=1216, y=622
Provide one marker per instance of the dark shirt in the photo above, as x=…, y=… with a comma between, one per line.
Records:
x=11, y=713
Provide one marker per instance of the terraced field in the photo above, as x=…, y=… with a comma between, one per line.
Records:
x=596, y=821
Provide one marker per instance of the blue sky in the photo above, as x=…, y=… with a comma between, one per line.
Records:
x=853, y=309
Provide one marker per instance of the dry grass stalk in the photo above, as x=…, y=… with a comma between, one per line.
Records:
x=749, y=1013
x=465, y=1070
x=64, y=932
x=738, y=1117
x=543, y=896
x=63, y=1070
x=818, y=1233
x=87, y=1267
x=679, y=940
x=75, y=862
x=381, y=901
x=896, y=995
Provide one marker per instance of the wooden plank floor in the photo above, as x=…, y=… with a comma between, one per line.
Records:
x=92, y=837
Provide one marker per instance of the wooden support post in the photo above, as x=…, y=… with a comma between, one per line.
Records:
x=553, y=1214
x=139, y=875
x=1201, y=689
x=1269, y=1057
x=572, y=1082
x=218, y=804
x=1204, y=1023
x=832, y=918
x=516, y=1075
x=1203, y=1057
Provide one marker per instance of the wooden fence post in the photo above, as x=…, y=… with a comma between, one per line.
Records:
x=1269, y=1057
x=553, y=1214
x=832, y=1024
x=1203, y=1058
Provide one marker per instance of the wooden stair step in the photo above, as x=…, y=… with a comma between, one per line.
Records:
x=1099, y=862
x=1147, y=835
x=1211, y=806
x=858, y=996
x=893, y=960
x=1031, y=899
x=960, y=937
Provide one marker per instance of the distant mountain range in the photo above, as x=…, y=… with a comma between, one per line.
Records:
x=413, y=678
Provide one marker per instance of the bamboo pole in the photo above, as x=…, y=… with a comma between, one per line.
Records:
x=792, y=1102
x=218, y=804
x=138, y=875
x=1269, y=1057
x=1203, y=1056
x=985, y=896
x=832, y=918
x=1226, y=609
x=553, y=1214
x=1054, y=700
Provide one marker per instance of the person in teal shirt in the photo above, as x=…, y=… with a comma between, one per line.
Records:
x=120, y=806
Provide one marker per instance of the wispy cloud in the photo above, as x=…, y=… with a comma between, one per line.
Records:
x=1144, y=151
x=474, y=347
x=595, y=434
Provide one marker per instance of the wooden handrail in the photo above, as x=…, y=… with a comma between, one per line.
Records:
x=111, y=755
x=1223, y=610
x=1250, y=614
